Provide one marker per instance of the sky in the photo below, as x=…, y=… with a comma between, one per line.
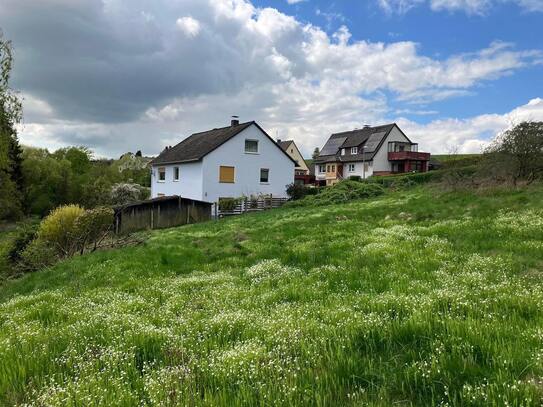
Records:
x=128, y=75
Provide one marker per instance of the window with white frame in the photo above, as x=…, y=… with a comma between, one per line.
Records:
x=251, y=146
x=354, y=150
x=322, y=168
x=162, y=174
x=176, y=173
x=342, y=151
x=264, y=175
x=351, y=167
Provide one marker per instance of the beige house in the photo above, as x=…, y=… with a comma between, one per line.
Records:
x=289, y=147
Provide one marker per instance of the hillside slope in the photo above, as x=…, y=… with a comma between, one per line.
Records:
x=418, y=298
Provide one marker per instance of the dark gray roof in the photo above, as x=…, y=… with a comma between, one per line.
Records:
x=372, y=137
x=196, y=146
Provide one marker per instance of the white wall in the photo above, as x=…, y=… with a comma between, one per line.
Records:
x=247, y=168
x=380, y=160
x=189, y=185
x=358, y=169
x=318, y=174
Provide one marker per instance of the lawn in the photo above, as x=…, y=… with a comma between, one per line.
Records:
x=418, y=297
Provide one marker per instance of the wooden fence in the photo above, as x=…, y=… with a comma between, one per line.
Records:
x=159, y=213
x=245, y=205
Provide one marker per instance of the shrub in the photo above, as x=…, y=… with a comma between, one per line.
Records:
x=37, y=255
x=299, y=191
x=406, y=180
x=343, y=191
x=59, y=229
x=355, y=178
x=229, y=204
x=91, y=227
x=24, y=234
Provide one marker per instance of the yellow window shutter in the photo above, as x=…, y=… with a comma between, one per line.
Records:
x=226, y=174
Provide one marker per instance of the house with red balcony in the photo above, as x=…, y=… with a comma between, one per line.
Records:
x=370, y=151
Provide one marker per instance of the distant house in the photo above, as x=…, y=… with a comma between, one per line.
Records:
x=301, y=171
x=379, y=150
x=238, y=160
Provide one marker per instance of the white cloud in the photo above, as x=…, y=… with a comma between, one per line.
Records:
x=295, y=1
x=151, y=86
x=189, y=25
x=470, y=135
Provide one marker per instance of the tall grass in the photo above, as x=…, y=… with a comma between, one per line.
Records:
x=413, y=298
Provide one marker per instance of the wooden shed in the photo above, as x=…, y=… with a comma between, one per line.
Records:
x=162, y=212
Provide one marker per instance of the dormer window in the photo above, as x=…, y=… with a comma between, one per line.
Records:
x=251, y=146
x=354, y=150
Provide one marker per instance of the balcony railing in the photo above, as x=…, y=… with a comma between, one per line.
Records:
x=408, y=155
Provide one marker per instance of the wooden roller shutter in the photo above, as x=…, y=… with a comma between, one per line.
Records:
x=226, y=174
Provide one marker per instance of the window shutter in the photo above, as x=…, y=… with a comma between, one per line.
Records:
x=226, y=174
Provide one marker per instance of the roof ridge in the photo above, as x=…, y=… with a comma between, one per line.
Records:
x=363, y=128
x=222, y=128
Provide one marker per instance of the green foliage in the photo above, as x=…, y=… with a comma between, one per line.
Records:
x=70, y=176
x=418, y=297
x=517, y=154
x=59, y=229
x=11, y=178
x=407, y=180
x=299, y=191
x=92, y=226
x=341, y=192
x=229, y=204
x=66, y=231
x=24, y=234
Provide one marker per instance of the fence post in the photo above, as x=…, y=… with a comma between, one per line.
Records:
x=152, y=214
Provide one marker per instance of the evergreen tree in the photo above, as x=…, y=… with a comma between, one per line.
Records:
x=11, y=178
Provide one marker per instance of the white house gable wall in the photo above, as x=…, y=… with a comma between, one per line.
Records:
x=189, y=184
x=247, y=168
x=380, y=160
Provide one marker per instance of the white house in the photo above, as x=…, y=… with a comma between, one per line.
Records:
x=380, y=150
x=238, y=160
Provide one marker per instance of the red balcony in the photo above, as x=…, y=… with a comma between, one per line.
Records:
x=408, y=155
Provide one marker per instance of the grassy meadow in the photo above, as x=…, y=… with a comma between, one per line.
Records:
x=416, y=297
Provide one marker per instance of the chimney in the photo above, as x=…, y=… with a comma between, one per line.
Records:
x=234, y=121
x=278, y=140
x=366, y=126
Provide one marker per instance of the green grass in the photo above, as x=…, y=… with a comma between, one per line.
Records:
x=417, y=297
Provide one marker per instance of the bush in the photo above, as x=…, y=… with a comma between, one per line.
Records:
x=37, y=255
x=343, y=191
x=66, y=231
x=59, y=229
x=299, y=191
x=407, y=180
x=91, y=227
x=24, y=234
x=229, y=204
